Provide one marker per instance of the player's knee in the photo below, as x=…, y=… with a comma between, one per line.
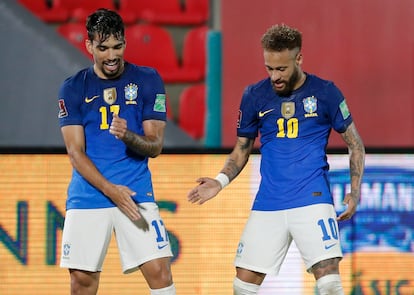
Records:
x=83, y=280
x=243, y=288
x=330, y=285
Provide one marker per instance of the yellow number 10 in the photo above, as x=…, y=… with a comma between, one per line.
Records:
x=291, y=130
x=114, y=109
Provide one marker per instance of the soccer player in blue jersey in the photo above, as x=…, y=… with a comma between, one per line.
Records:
x=294, y=113
x=112, y=117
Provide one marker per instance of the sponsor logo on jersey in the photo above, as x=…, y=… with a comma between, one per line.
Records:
x=327, y=247
x=110, y=95
x=131, y=93
x=288, y=109
x=162, y=246
x=261, y=114
x=239, y=118
x=310, y=106
x=90, y=99
x=63, y=112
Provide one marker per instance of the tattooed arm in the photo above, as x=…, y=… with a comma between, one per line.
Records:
x=149, y=145
x=356, y=167
x=238, y=157
x=210, y=187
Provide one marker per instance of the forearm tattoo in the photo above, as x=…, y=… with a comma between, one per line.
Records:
x=356, y=159
x=231, y=169
x=237, y=160
x=142, y=145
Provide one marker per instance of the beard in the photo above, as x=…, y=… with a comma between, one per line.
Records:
x=289, y=84
x=111, y=74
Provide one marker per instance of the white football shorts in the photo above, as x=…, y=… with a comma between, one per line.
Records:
x=87, y=234
x=268, y=234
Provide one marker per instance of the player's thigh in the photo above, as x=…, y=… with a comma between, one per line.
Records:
x=143, y=240
x=85, y=239
x=315, y=231
x=264, y=242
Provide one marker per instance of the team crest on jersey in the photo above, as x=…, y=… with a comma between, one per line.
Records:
x=109, y=95
x=288, y=109
x=66, y=250
x=131, y=93
x=240, y=248
x=310, y=105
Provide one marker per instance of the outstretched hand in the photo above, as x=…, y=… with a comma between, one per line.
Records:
x=207, y=189
x=351, y=202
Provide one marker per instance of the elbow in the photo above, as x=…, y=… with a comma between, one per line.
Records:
x=155, y=153
x=74, y=156
x=156, y=148
x=361, y=148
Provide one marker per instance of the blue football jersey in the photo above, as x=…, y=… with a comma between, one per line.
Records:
x=85, y=99
x=294, y=134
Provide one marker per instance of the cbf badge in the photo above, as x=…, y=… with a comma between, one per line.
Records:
x=288, y=109
x=109, y=95
x=310, y=106
x=131, y=93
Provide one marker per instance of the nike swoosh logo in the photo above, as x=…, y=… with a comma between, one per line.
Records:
x=327, y=247
x=261, y=114
x=162, y=246
x=88, y=100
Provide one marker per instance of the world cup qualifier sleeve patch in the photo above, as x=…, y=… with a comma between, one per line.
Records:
x=344, y=109
x=159, y=105
x=63, y=112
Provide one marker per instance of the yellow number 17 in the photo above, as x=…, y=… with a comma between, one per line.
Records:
x=114, y=109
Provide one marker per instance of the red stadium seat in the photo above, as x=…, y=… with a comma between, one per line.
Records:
x=79, y=10
x=192, y=109
x=76, y=34
x=44, y=12
x=151, y=45
x=168, y=12
x=161, y=12
x=130, y=10
x=196, y=12
x=194, y=54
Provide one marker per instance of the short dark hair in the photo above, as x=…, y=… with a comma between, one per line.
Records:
x=281, y=37
x=104, y=23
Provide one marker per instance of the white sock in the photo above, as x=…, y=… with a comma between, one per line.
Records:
x=170, y=290
x=243, y=288
x=330, y=285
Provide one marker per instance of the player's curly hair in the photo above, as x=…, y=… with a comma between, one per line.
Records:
x=281, y=37
x=104, y=23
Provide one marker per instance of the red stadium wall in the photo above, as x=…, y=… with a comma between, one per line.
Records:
x=365, y=47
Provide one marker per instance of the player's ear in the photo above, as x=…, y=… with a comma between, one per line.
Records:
x=89, y=46
x=299, y=58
